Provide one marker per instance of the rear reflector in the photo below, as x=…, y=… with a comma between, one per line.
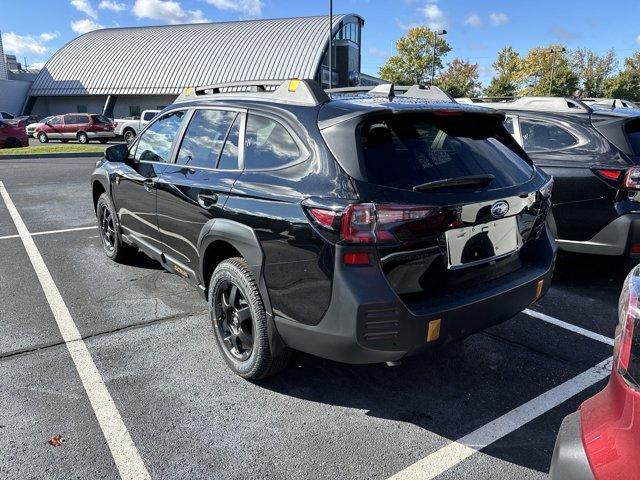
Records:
x=433, y=331
x=635, y=248
x=356, y=258
x=539, y=287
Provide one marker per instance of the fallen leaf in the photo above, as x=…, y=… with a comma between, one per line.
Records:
x=56, y=440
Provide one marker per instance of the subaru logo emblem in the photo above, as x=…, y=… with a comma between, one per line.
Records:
x=499, y=209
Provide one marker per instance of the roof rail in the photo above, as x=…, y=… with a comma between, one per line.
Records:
x=296, y=91
x=391, y=90
x=615, y=103
x=548, y=104
x=428, y=93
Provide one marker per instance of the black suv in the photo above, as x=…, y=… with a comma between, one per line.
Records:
x=362, y=228
x=592, y=152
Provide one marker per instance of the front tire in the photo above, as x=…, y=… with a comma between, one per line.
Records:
x=42, y=137
x=240, y=322
x=112, y=242
x=83, y=138
x=129, y=135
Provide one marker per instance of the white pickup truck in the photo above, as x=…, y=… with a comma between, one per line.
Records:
x=128, y=128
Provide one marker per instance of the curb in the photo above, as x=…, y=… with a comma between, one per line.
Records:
x=52, y=155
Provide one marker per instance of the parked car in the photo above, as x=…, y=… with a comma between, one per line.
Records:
x=593, y=155
x=361, y=229
x=13, y=134
x=128, y=128
x=82, y=127
x=32, y=126
x=600, y=440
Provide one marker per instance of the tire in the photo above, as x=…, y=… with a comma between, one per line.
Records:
x=42, y=137
x=240, y=322
x=104, y=140
x=109, y=228
x=128, y=135
x=83, y=138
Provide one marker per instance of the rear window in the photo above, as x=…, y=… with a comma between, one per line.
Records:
x=403, y=151
x=633, y=134
x=100, y=119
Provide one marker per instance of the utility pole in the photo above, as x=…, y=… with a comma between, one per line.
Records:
x=330, y=43
x=433, y=58
x=554, y=51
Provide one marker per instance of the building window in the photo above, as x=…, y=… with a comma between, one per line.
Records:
x=134, y=111
x=81, y=108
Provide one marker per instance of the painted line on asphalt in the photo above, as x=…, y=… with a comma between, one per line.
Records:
x=124, y=452
x=569, y=326
x=49, y=232
x=451, y=455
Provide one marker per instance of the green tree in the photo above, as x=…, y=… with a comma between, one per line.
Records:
x=460, y=79
x=507, y=65
x=413, y=59
x=537, y=68
x=593, y=71
x=626, y=84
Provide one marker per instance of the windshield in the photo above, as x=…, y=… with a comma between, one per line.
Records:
x=403, y=151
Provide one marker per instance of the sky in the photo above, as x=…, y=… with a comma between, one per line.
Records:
x=476, y=29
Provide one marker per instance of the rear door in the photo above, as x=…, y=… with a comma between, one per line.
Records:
x=194, y=189
x=70, y=127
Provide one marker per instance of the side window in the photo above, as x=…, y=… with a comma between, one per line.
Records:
x=268, y=144
x=204, y=138
x=70, y=120
x=508, y=124
x=229, y=157
x=542, y=136
x=155, y=143
x=55, y=121
x=148, y=116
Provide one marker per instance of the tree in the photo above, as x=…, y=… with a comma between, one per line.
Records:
x=537, y=69
x=626, y=84
x=413, y=59
x=507, y=65
x=460, y=79
x=593, y=70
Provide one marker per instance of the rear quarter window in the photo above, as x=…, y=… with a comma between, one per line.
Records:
x=406, y=150
x=632, y=129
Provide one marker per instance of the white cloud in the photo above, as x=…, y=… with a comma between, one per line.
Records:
x=499, y=18
x=48, y=36
x=169, y=11
x=22, y=44
x=375, y=52
x=85, y=7
x=473, y=19
x=36, y=65
x=84, y=26
x=435, y=16
x=252, y=8
x=112, y=5
x=638, y=39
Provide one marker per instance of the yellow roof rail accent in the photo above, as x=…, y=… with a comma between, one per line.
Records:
x=293, y=84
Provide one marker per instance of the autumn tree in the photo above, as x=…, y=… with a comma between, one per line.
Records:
x=460, y=79
x=537, y=69
x=593, y=70
x=626, y=84
x=507, y=80
x=412, y=62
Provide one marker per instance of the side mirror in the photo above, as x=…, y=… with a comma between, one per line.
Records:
x=117, y=153
x=47, y=123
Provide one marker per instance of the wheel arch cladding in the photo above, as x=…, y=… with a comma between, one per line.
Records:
x=98, y=189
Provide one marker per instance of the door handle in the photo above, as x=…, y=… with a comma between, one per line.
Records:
x=207, y=200
x=149, y=184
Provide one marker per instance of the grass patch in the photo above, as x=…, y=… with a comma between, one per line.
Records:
x=48, y=149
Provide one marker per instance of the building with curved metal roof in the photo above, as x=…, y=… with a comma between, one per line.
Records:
x=122, y=71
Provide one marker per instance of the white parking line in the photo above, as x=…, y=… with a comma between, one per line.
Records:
x=448, y=457
x=569, y=326
x=49, y=232
x=124, y=452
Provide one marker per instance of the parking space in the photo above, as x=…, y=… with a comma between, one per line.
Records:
x=187, y=415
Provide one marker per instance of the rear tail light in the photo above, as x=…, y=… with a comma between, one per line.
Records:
x=620, y=178
x=356, y=258
x=627, y=343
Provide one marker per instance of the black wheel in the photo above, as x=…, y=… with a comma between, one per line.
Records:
x=104, y=140
x=83, y=138
x=129, y=135
x=42, y=137
x=112, y=243
x=240, y=322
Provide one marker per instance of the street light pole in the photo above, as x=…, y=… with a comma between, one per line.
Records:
x=330, y=43
x=433, y=58
x=554, y=51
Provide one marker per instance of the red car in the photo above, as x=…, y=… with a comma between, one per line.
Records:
x=82, y=127
x=13, y=134
x=602, y=439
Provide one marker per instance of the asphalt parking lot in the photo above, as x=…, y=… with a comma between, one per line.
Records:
x=503, y=392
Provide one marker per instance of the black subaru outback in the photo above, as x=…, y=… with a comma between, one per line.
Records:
x=362, y=228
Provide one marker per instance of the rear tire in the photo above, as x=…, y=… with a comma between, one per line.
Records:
x=128, y=135
x=240, y=322
x=109, y=227
x=42, y=137
x=83, y=138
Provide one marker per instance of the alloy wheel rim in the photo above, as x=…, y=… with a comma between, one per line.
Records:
x=107, y=228
x=233, y=321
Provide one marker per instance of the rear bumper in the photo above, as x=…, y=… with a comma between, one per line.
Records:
x=614, y=239
x=367, y=322
x=569, y=461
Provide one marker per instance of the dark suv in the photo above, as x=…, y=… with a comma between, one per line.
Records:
x=360, y=229
x=593, y=154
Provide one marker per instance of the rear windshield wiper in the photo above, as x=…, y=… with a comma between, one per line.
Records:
x=470, y=181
